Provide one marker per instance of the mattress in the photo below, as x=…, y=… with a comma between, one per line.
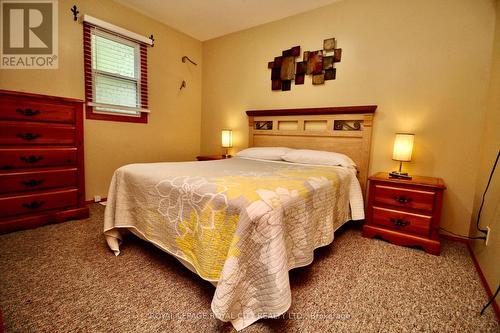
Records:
x=241, y=224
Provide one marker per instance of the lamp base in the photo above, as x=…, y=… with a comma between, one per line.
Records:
x=399, y=174
x=226, y=152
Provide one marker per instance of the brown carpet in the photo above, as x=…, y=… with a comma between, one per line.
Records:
x=62, y=278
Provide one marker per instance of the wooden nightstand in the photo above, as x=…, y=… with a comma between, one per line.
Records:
x=405, y=212
x=212, y=157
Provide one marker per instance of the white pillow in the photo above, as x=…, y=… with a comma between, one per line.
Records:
x=320, y=157
x=264, y=153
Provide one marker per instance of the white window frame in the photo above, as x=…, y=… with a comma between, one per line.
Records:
x=102, y=108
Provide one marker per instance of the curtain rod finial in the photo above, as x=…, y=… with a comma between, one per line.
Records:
x=75, y=12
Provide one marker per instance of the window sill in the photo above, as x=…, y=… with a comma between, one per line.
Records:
x=89, y=114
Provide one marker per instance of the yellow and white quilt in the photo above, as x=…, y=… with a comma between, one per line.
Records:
x=241, y=224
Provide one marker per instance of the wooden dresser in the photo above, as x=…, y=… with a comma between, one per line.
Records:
x=405, y=212
x=41, y=160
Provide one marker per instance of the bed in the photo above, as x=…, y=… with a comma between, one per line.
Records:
x=243, y=223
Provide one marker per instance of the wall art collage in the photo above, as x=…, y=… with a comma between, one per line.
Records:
x=319, y=64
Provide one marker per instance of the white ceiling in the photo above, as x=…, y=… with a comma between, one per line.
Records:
x=207, y=19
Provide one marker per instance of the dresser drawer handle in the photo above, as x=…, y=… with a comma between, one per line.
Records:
x=28, y=136
x=399, y=222
x=34, y=204
x=31, y=159
x=402, y=199
x=28, y=112
x=32, y=182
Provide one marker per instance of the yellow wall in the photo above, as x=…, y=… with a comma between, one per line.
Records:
x=489, y=256
x=426, y=64
x=173, y=130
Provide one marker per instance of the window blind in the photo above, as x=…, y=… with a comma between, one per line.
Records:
x=115, y=76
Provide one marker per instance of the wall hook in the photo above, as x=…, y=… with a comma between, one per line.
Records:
x=152, y=40
x=184, y=58
x=75, y=12
x=183, y=85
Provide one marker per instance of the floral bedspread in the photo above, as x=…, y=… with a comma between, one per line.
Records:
x=241, y=224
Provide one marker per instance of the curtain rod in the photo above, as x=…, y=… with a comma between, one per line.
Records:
x=111, y=27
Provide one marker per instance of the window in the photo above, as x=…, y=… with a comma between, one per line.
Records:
x=115, y=76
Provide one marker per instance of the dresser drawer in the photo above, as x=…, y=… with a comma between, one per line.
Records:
x=19, y=181
x=15, y=158
x=407, y=222
x=39, y=202
x=16, y=133
x=31, y=110
x=403, y=197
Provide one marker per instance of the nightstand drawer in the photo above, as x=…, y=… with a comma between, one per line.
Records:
x=407, y=222
x=401, y=197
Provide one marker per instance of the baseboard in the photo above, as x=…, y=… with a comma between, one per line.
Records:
x=92, y=201
x=2, y=329
x=454, y=238
x=483, y=280
x=494, y=304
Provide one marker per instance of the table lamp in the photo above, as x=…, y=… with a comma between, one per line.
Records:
x=403, y=148
x=227, y=141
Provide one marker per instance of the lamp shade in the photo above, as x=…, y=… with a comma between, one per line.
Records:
x=227, y=138
x=403, y=147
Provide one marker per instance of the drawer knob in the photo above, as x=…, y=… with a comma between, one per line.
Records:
x=28, y=112
x=32, y=182
x=399, y=222
x=33, y=204
x=28, y=136
x=402, y=199
x=31, y=159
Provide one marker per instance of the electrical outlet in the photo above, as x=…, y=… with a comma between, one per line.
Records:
x=488, y=231
x=97, y=198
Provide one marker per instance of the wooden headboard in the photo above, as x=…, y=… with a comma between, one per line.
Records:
x=346, y=130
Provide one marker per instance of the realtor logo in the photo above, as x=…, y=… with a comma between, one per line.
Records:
x=29, y=34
